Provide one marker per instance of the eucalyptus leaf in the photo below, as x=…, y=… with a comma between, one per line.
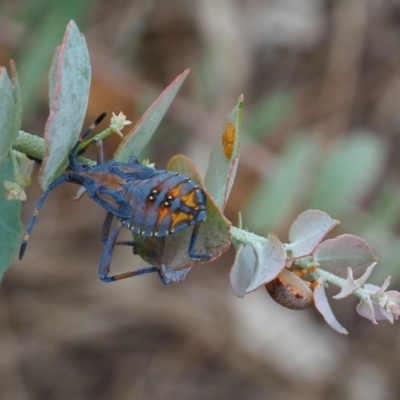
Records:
x=10, y=110
x=135, y=141
x=69, y=84
x=224, y=158
x=347, y=172
x=271, y=261
x=243, y=270
x=10, y=224
x=277, y=196
x=269, y=114
x=309, y=228
x=322, y=305
x=42, y=31
x=343, y=251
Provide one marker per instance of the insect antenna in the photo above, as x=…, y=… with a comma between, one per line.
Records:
x=96, y=122
x=61, y=179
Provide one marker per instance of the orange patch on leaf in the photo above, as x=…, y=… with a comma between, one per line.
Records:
x=228, y=139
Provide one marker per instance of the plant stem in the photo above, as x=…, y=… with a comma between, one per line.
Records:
x=34, y=146
x=31, y=145
x=241, y=236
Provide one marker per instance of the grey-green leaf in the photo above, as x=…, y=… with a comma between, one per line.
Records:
x=141, y=133
x=10, y=110
x=10, y=224
x=69, y=84
x=348, y=172
x=309, y=228
x=269, y=114
x=277, y=197
x=322, y=305
x=224, y=158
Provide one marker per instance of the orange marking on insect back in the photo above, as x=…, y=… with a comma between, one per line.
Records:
x=162, y=213
x=228, y=139
x=105, y=178
x=179, y=217
x=114, y=182
x=109, y=199
x=175, y=191
x=190, y=199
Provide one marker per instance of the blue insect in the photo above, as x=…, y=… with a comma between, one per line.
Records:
x=149, y=202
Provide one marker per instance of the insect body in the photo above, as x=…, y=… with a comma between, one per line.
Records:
x=149, y=202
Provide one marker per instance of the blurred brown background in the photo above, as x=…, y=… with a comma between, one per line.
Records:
x=317, y=75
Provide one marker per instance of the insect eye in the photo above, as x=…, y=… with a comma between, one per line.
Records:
x=167, y=203
x=170, y=198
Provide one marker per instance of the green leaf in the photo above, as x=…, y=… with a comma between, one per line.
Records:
x=349, y=170
x=69, y=84
x=135, y=141
x=44, y=23
x=269, y=114
x=10, y=224
x=224, y=158
x=276, y=197
x=10, y=110
x=385, y=211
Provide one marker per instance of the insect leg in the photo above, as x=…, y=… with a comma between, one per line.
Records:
x=192, y=245
x=105, y=230
x=126, y=243
x=58, y=181
x=99, y=150
x=105, y=262
x=133, y=160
